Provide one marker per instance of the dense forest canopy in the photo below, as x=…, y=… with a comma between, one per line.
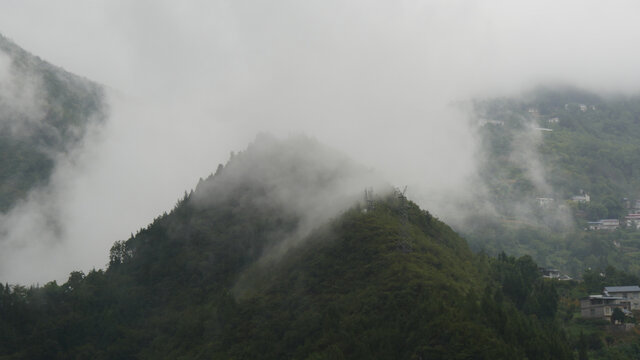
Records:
x=379, y=279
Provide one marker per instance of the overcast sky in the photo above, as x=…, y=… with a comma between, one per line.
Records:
x=169, y=48
x=374, y=79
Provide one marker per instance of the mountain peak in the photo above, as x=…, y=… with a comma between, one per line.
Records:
x=275, y=257
x=298, y=175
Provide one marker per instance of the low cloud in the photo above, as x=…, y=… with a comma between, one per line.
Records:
x=379, y=81
x=21, y=100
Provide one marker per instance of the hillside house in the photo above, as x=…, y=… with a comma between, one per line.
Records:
x=554, y=120
x=604, y=224
x=594, y=225
x=545, y=202
x=610, y=224
x=633, y=221
x=585, y=198
x=601, y=306
x=630, y=293
x=549, y=273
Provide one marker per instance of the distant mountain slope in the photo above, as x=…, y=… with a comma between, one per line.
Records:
x=542, y=149
x=590, y=144
x=275, y=256
x=44, y=111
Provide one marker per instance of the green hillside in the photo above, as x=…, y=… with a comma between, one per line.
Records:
x=44, y=112
x=236, y=271
x=557, y=143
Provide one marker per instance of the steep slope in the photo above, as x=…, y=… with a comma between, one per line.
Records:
x=359, y=290
x=44, y=111
x=272, y=258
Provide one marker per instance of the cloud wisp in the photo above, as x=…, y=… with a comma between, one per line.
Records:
x=376, y=80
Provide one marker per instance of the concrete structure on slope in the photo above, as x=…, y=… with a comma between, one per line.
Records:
x=629, y=293
x=601, y=306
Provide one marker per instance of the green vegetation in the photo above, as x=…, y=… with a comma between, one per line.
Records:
x=596, y=338
x=350, y=293
x=229, y=275
x=592, y=149
x=52, y=120
x=211, y=280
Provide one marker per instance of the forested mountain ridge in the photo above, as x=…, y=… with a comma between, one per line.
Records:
x=254, y=263
x=44, y=112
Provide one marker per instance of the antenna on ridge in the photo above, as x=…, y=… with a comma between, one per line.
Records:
x=369, y=199
x=403, y=207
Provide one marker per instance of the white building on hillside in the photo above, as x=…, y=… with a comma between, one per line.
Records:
x=581, y=198
x=633, y=221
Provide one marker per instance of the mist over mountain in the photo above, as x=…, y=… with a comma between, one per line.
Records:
x=297, y=175
x=44, y=112
x=46, y=116
x=152, y=148
x=278, y=255
x=294, y=249
x=315, y=255
x=373, y=79
x=553, y=161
